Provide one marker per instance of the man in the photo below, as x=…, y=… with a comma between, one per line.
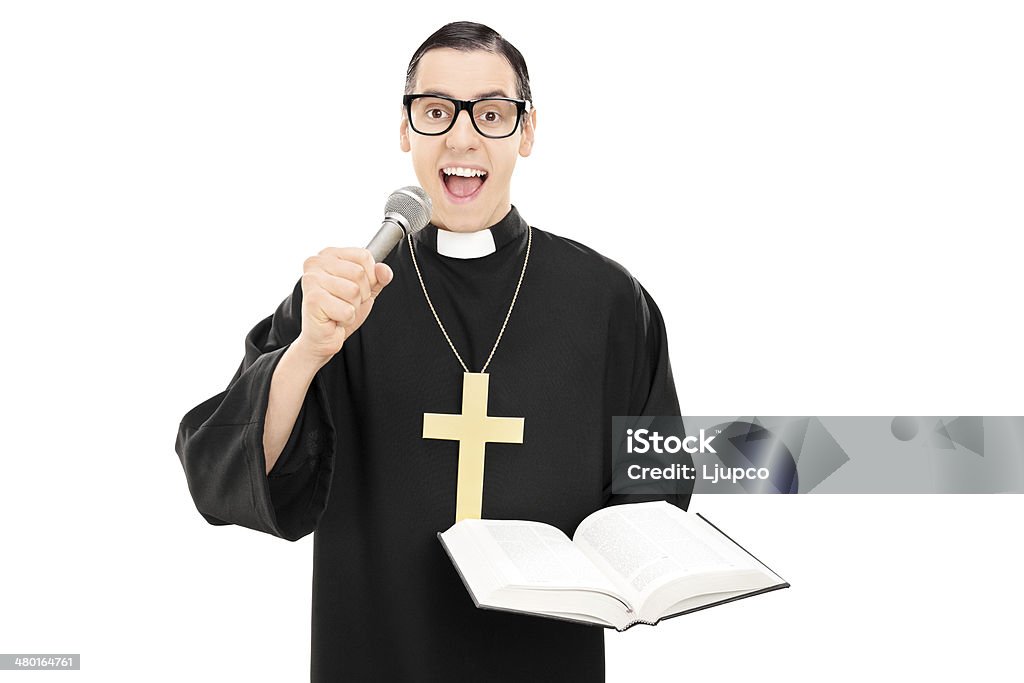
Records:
x=325, y=425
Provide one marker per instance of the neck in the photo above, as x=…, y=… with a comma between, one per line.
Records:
x=500, y=212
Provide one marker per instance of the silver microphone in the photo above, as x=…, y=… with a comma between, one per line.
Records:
x=407, y=211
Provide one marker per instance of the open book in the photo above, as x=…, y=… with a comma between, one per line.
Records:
x=628, y=564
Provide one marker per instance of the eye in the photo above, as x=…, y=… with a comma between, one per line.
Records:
x=435, y=114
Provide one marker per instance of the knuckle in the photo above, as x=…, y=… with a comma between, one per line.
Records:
x=314, y=298
x=348, y=268
x=349, y=289
x=350, y=312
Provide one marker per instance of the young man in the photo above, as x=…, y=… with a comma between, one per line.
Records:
x=331, y=422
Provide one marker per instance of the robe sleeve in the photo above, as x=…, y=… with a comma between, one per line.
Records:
x=653, y=391
x=220, y=442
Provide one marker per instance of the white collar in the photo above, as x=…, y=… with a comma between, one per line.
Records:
x=465, y=244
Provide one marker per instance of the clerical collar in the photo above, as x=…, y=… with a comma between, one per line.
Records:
x=465, y=245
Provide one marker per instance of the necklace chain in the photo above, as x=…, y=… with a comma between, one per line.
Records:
x=529, y=240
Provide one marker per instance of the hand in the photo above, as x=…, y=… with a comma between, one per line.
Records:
x=339, y=286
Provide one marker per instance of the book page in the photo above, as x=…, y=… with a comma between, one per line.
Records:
x=536, y=555
x=642, y=546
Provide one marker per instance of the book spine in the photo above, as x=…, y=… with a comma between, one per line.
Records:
x=634, y=623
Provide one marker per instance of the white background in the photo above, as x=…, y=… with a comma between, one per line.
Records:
x=823, y=198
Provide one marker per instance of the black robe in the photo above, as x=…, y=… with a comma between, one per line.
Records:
x=584, y=342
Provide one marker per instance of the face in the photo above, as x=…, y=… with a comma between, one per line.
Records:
x=467, y=76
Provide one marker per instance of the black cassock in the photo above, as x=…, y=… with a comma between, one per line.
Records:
x=584, y=342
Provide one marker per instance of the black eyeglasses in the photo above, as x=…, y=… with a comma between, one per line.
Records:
x=492, y=117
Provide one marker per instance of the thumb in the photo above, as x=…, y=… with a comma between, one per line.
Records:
x=384, y=276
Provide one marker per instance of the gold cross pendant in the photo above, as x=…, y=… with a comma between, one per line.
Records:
x=472, y=429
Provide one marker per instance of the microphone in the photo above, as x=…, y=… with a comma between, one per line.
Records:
x=407, y=211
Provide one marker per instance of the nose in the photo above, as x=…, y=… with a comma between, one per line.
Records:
x=463, y=135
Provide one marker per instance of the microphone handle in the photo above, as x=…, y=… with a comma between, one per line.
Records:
x=390, y=234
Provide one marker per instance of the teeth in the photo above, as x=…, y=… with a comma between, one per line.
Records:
x=464, y=172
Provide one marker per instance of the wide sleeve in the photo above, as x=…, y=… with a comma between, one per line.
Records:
x=220, y=442
x=653, y=391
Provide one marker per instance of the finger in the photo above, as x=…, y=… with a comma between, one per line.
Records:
x=343, y=288
x=327, y=307
x=355, y=255
x=317, y=280
x=334, y=267
x=353, y=293
x=384, y=277
x=348, y=253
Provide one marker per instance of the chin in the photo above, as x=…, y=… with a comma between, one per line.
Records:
x=465, y=218
x=462, y=223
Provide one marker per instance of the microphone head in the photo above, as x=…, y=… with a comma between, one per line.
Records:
x=411, y=203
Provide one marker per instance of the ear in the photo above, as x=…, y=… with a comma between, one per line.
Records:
x=403, y=133
x=526, y=142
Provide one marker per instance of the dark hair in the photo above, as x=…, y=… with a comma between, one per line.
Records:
x=467, y=36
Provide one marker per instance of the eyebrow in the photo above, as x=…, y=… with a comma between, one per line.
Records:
x=490, y=93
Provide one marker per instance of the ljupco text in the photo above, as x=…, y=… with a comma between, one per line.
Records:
x=715, y=474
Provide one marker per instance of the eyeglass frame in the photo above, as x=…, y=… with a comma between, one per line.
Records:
x=467, y=106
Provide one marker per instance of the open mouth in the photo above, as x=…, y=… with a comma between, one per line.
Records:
x=462, y=185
